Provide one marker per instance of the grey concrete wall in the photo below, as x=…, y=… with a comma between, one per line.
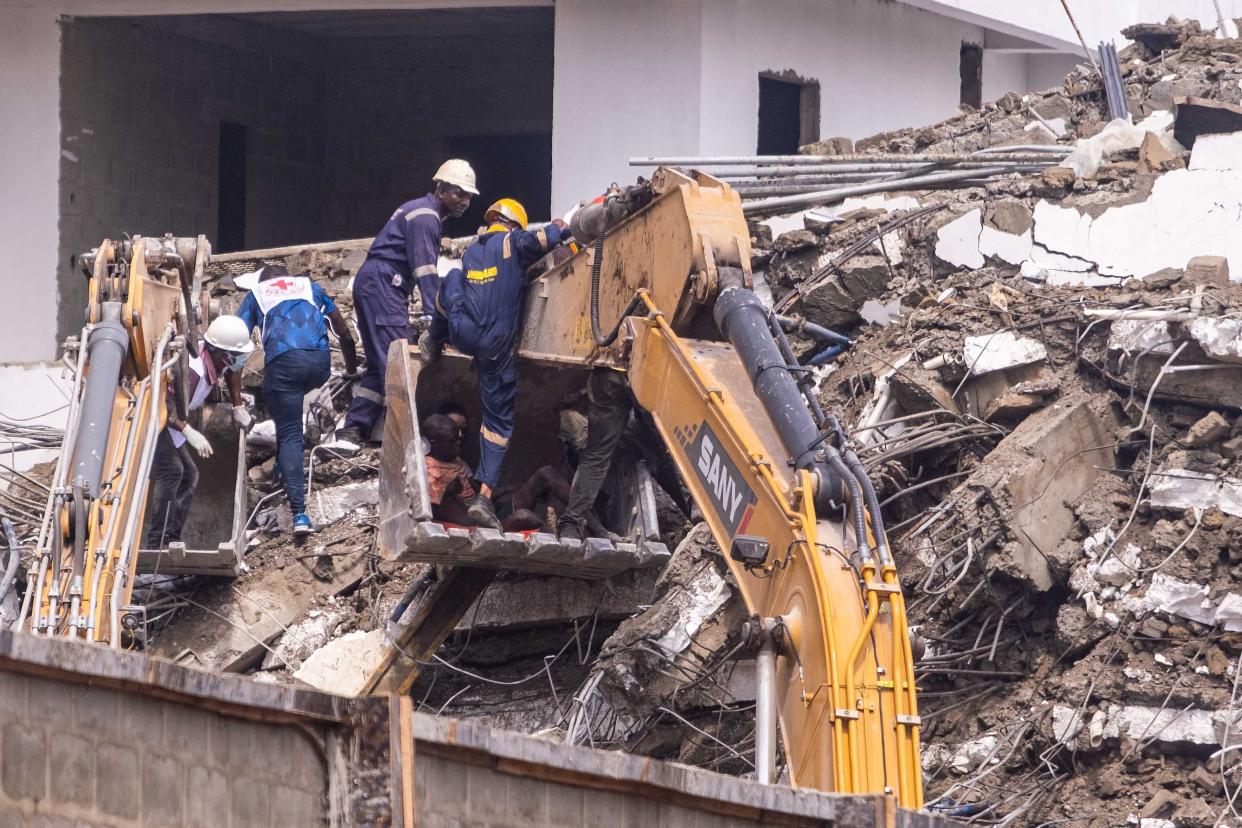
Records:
x=397, y=107
x=141, y=104
x=93, y=737
x=94, y=756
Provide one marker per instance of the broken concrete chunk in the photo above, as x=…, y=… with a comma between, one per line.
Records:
x=1014, y=249
x=1001, y=350
x=1170, y=730
x=958, y=241
x=794, y=240
x=1008, y=216
x=1211, y=271
x=1175, y=597
x=1217, y=152
x=302, y=638
x=1178, y=488
x=1229, y=613
x=970, y=755
x=343, y=666
x=1200, y=116
x=331, y=504
x=1154, y=156
x=1220, y=339
x=1136, y=336
x=1012, y=404
x=1232, y=448
x=1207, y=430
x=1159, y=37
x=1117, y=569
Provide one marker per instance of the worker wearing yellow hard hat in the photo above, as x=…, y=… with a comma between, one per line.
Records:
x=477, y=311
x=505, y=214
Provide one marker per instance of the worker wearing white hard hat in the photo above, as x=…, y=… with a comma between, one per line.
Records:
x=404, y=254
x=174, y=474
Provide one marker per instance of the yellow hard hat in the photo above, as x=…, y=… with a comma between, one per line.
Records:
x=507, y=208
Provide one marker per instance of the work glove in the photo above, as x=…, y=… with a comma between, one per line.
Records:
x=197, y=441
x=242, y=417
x=429, y=347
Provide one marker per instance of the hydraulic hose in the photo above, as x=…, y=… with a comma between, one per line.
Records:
x=601, y=339
x=743, y=320
x=816, y=332
x=857, y=499
x=873, y=505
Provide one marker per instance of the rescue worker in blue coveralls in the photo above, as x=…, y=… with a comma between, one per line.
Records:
x=477, y=312
x=404, y=253
x=293, y=313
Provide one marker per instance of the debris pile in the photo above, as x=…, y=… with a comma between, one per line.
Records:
x=1044, y=382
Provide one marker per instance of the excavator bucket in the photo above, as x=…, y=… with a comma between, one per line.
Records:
x=408, y=531
x=214, y=537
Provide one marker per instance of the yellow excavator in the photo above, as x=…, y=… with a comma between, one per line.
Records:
x=667, y=264
x=144, y=307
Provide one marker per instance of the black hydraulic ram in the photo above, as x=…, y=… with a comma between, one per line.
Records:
x=743, y=320
x=106, y=347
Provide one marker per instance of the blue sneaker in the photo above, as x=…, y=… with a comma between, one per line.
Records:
x=302, y=524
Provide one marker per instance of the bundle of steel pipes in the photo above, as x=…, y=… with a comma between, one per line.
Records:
x=770, y=183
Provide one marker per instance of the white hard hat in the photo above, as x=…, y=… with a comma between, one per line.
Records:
x=458, y=173
x=229, y=333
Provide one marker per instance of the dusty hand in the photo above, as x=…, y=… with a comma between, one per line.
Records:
x=197, y=441
x=242, y=417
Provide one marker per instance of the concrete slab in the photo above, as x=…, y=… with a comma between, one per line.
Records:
x=235, y=635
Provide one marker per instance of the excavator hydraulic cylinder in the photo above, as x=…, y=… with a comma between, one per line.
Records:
x=743, y=320
x=106, y=348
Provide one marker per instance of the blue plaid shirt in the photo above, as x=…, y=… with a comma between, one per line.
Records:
x=291, y=325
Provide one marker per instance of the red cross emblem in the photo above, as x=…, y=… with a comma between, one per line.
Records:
x=282, y=284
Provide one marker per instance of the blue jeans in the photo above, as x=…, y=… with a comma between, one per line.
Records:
x=286, y=380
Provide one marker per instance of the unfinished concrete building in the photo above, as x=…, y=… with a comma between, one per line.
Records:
x=1010, y=323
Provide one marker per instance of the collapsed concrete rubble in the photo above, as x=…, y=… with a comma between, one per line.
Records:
x=1045, y=383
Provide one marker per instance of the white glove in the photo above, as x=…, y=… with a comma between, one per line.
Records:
x=197, y=441
x=242, y=417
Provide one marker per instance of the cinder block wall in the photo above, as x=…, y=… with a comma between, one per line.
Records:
x=141, y=104
x=94, y=756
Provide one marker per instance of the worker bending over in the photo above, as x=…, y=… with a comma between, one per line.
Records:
x=404, y=252
x=478, y=313
x=174, y=476
x=293, y=313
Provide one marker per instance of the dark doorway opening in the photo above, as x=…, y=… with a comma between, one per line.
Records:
x=970, y=66
x=507, y=166
x=788, y=113
x=231, y=189
x=779, y=116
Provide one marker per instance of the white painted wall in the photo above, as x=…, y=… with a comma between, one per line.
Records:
x=631, y=78
x=839, y=44
x=34, y=395
x=29, y=167
x=626, y=80
x=1004, y=72
x=1044, y=21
